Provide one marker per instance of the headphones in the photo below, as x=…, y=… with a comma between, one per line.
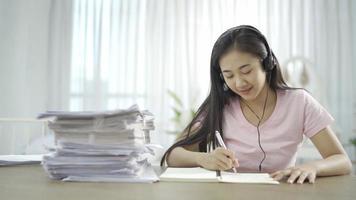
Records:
x=269, y=62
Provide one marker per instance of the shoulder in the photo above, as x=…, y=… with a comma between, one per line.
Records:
x=292, y=92
x=293, y=95
x=297, y=99
x=298, y=95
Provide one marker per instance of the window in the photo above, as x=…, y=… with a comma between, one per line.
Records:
x=108, y=58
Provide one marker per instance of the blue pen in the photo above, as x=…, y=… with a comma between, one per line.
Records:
x=221, y=142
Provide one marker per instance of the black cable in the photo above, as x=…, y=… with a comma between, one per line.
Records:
x=258, y=128
x=264, y=153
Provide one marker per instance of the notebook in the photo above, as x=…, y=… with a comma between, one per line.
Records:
x=198, y=174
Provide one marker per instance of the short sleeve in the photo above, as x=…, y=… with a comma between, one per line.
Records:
x=316, y=117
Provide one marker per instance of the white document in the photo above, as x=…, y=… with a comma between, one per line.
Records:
x=195, y=174
x=20, y=159
x=198, y=174
x=148, y=176
x=89, y=114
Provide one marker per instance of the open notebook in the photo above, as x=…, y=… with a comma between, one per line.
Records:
x=198, y=174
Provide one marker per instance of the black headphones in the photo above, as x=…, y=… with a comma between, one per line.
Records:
x=269, y=62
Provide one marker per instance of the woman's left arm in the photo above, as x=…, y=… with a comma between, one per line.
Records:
x=335, y=160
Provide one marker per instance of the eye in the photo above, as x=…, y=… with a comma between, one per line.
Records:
x=228, y=76
x=246, y=71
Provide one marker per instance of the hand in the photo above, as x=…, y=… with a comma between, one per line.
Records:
x=297, y=174
x=219, y=159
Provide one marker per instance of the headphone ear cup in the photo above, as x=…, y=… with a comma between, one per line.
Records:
x=268, y=63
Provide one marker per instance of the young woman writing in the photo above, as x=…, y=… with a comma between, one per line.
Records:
x=261, y=119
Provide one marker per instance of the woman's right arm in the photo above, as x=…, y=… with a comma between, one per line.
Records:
x=219, y=159
x=181, y=157
x=189, y=156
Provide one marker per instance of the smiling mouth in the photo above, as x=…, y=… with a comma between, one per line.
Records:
x=245, y=91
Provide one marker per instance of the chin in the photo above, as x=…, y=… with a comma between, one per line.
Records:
x=248, y=97
x=251, y=95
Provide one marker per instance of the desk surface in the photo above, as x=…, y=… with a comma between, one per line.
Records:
x=31, y=182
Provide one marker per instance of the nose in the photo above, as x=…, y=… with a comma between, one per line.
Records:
x=239, y=82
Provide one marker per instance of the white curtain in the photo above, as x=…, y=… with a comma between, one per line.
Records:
x=59, y=56
x=106, y=54
x=33, y=60
x=36, y=40
x=24, y=29
x=134, y=51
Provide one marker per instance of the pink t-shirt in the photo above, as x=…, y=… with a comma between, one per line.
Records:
x=296, y=114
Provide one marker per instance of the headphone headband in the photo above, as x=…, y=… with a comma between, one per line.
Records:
x=268, y=62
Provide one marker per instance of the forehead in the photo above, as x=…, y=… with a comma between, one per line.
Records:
x=236, y=58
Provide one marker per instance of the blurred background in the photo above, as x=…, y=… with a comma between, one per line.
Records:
x=106, y=54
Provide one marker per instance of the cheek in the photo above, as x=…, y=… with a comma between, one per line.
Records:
x=261, y=79
x=251, y=79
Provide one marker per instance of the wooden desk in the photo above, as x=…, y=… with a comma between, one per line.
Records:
x=30, y=182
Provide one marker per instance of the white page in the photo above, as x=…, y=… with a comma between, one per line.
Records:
x=198, y=174
x=195, y=174
x=20, y=159
x=229, y=177
x=89, y=114
x=148, y=176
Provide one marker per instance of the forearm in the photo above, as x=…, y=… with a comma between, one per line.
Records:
x=180, y=157
x=338, y=164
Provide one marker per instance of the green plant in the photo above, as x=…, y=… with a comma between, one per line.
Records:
x=182, y=115
x=353, y=141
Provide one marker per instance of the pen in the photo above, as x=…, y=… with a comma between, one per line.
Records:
x=221, y=142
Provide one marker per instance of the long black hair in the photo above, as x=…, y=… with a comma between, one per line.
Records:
x=244, y=38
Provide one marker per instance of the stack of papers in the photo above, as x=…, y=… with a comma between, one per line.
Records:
x=101, y=146
x=198, y=174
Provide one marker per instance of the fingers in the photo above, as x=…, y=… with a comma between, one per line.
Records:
x=222, y=166
x=302, y=177
x=295, y=173
x=236, y=163
x=226, y=162
x=227, y=153
x=226, y=158
x=279, y=175
x=311, y=177
x=275, y=174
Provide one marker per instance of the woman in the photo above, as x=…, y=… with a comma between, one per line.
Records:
x=261, y=119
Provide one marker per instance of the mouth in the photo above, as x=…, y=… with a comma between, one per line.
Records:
x=245, y=92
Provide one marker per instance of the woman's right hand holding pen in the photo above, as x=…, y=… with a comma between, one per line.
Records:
x=219, y=159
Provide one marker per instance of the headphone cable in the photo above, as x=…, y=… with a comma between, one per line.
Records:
x=258, y=128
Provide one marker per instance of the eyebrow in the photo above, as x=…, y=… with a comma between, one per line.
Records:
x=241, y=67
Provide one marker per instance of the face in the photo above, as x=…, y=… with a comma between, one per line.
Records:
x=243, y=74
